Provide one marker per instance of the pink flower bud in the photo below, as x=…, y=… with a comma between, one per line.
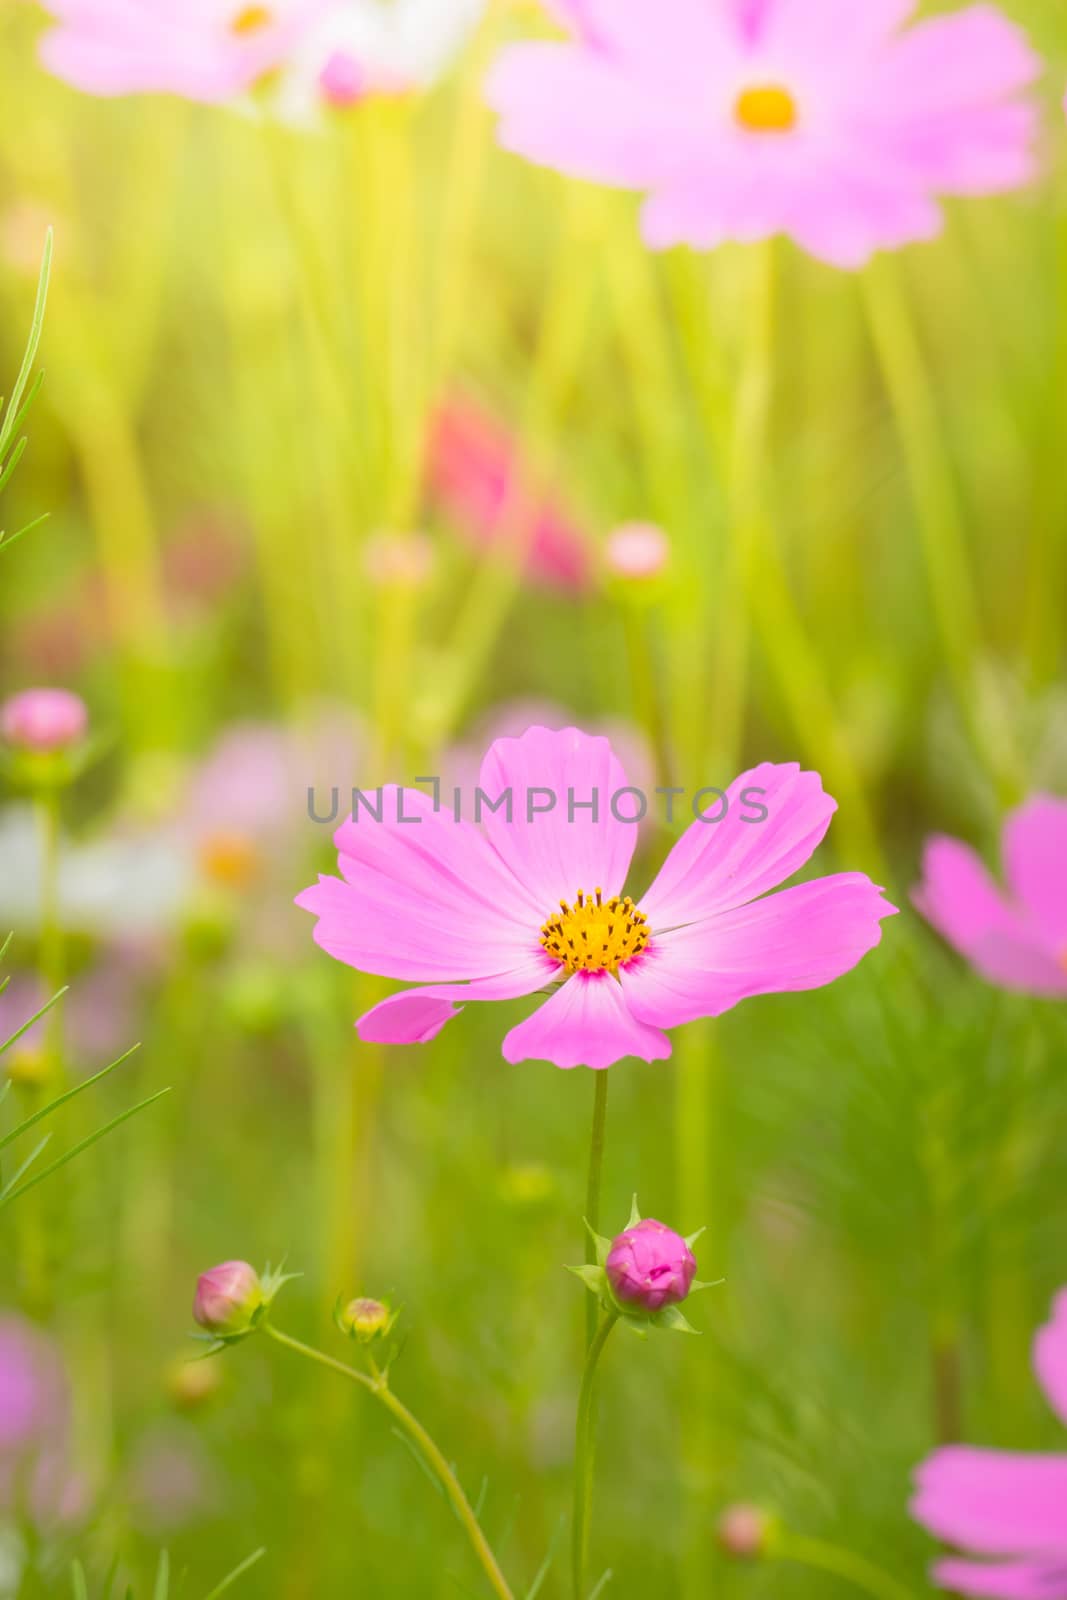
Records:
x=227, y=1298
x=637, y=551
x=43, y=720
x=649, y=1267
x=343, y=81
x=743, y=1532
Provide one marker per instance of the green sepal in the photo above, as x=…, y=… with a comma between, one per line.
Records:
x=698, y=1284
x=635, y=1215
x=594, y=1278
x=600, y=1244
x=672, y=1320
x=692, y=1238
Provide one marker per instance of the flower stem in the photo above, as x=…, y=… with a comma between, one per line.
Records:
x=592, y=1191
x=583, y=1456
x=379, y=1387
x=854, y=1569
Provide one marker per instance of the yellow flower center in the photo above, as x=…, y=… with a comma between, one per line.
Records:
x=595, y=935
x=229, y=859
x=766, y=108
x=251, y=19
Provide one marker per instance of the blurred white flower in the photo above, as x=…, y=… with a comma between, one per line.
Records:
x=368, y=47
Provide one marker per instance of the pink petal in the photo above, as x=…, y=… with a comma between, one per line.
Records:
x=1013, y=1580
x=672, y=45
x=800, y=938
x=571, y=108
x=426, y=898
x=586, y=1023
x=565, y=847
x=1035, y=860
x=967, y=59
x=831, y=30
x=1050, y=1362
x=958, y=897
x=417, y=1015
x=995, y=1502
x=718, y=865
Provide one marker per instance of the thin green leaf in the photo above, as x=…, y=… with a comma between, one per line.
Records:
x=14, y=405
x=162, y=1588
x=546, y=1566
x=602, y=1585
x=238, y=1572
x=12, y=462
x=70, y=1094
x=9, y=539
x=23, y=1169
x=78, y=1583
x=85, y=1144
x=5, y=946
x=26, y=1026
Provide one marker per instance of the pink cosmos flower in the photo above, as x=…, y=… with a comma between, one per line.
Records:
x=480, y=481
x=1015, y=937
x=1004, y=1504
x=35, y=1477
x=211, y=50
x=742, y=119
x=649, y=1266
x=534, y=900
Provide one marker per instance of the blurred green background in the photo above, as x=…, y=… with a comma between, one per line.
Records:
x=864, y=482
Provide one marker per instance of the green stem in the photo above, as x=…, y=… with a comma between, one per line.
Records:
x=854, y=1569
x=941, y=523
x=379, y=1387
x=592, y=1191
x=583, y=1456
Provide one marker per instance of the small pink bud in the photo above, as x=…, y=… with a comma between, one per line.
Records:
x=649, y=1267
x=637, y=551
x=343, y=81
x=43, y=720
x=227, y=1298
x=743, y=1532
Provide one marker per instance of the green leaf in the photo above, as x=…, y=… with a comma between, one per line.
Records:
x=70, y=1094
x=14, y=412
x=78, y=1583
x=162, y=1588
x=84, y=1145
x=238, y=1572
x=17, y=1035
x=12, y=1182
x=592, y=1277
x=671, y=1319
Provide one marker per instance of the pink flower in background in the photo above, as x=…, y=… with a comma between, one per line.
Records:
x=478, y=478
x=637, y=551
x=43, y=720
x=212, y=50
x=742, y=119
x=1005, y=1505
x=1015, y=937
x=35, y=1478
x=535, y=900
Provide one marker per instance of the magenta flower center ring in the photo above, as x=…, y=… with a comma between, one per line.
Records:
x=595, y=935
x=251, y=19
x=766, y=108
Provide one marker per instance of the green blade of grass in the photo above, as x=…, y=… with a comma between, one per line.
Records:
x=85, y=1144
x=70, y=1094
x=14, y=405
x=78, y=1583
x=21, y=1171
x=162, y=1588
x=26, y=1026
x=238, y=1572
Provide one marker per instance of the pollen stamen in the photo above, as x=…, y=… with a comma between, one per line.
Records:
x=251, y=19
x=595, y=935
x=766, y=108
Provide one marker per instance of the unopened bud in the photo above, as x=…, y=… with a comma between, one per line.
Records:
x=744, y=1532
x=365, y=1319
x=228, y=1298
x=649, y=1266
x=43, y=721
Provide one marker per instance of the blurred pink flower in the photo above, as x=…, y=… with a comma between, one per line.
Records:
x=743, y=119
x=1004, y=1504
x=43, y=720
x=34, y=1423
x=211, y=50
x=99, y=1007
x=637, y=551
x=535, y=901
x=649, y=1266
x=479, y=479
x=1015, y=937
